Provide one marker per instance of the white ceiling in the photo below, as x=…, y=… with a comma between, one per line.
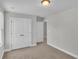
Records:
x=34, y=7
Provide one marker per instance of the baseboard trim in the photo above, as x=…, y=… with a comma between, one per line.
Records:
x=75, y=56
x=1, y=57
x=34, y=44
x=7, y=50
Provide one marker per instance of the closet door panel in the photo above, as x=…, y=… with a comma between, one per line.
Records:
x=21, y=33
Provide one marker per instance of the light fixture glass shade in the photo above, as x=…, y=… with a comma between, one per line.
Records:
x=45, y=3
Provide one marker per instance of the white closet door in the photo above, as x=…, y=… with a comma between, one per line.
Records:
x=21, y=32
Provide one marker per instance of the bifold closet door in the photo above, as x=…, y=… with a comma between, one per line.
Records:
x=21, y=33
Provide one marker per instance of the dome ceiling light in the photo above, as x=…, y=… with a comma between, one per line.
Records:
x=45, y=3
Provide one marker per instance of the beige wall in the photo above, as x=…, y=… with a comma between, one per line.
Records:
x=63, y=31
x=8, y=15
x=1, y=34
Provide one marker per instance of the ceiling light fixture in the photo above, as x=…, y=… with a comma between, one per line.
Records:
x=45, y=3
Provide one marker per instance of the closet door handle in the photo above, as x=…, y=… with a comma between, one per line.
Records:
x=21, y=34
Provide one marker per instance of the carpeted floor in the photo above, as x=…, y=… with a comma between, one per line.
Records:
x=42, y=51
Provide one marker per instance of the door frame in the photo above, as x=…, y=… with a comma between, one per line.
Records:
x=11, y=20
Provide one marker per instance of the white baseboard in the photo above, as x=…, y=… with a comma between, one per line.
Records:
x=1, y=55
x=75, y=56
x=34, y=44
x=6, y=50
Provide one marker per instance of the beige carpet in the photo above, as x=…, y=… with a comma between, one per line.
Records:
x=42, y=51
